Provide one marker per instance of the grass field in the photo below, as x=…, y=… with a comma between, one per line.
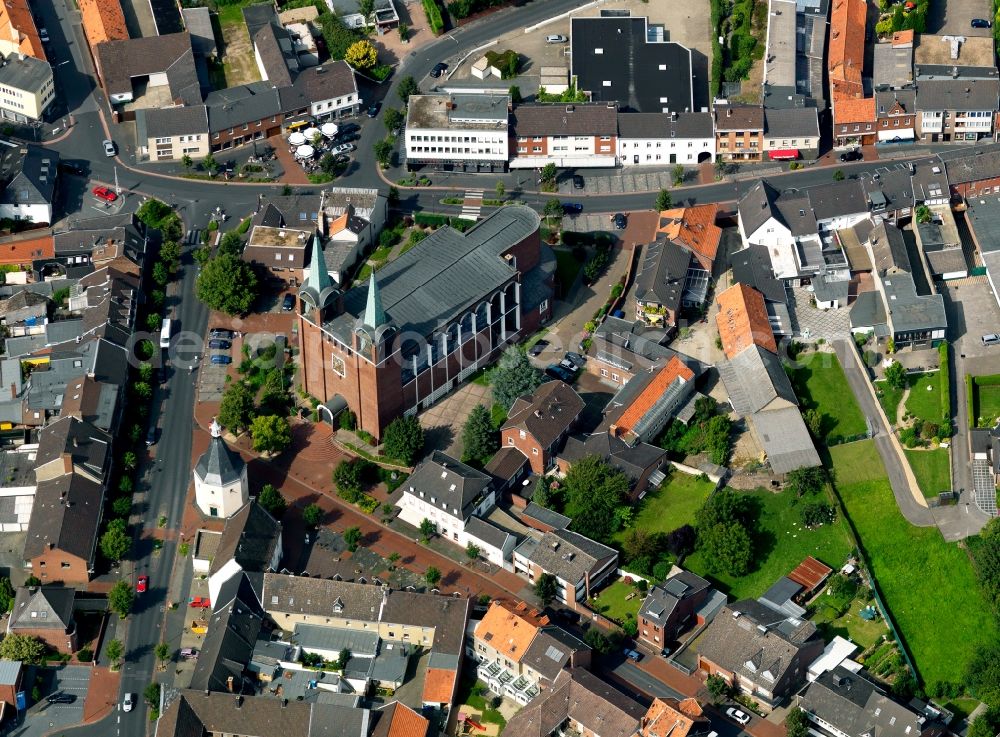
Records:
x=781, y=544
x=925, y=397
x=890, y=398
x=927, y=584
x=673, y=504
x=567, y=268
x=238, y=63
x=613, y=601
x=986, y=400
x=932, y=469
x=850, y=624
x=820, y=383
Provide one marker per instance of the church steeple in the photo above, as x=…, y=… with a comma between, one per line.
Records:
x=374, y=312
x=318, y=290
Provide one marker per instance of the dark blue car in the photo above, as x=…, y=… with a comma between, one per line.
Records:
x=572, y=208
x=221, y=360
x=559, y=373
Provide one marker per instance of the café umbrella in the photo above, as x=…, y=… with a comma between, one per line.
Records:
x=305, y=152
x=329, y=129
x=297, y=138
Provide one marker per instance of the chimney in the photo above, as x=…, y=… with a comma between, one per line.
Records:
x=569, y=108
x=729, y=112
x=239, y=699
x=613, y=431
x=284, y=703
x=229, y=684
x=13, y=391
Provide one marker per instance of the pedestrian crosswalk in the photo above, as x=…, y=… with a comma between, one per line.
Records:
x=473, y=204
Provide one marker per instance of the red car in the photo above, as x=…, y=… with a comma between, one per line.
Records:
x=105, y=194
x=142, y=584
x=200, y=602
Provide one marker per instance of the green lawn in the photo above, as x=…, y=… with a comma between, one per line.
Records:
x=890, y=398
x=672, y=505
x=986, y=398
x=782, y=543
x=925, y=397
x=820, y=383
x=932, y=469
x=928, y=584
x=613, y=601
x=850, y=625
x=567, y=268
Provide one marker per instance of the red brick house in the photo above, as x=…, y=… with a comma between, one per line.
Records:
x=538, y=423
x=45, y=612
x=670, y=607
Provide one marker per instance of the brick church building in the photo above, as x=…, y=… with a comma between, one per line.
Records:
x=426, y=321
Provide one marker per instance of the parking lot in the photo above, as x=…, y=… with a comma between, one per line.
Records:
x=954, y=16
x=43, y=718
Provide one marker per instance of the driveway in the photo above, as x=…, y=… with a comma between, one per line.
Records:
x=44, y=717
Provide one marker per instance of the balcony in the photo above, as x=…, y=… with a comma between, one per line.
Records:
x=504, y=682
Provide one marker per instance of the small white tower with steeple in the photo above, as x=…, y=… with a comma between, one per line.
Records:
x=220, y=478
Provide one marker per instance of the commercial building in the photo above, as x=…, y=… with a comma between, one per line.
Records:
x=655, y=139
x=573, y=135
x=739, y=132
x=26, y=87
x=457, y=132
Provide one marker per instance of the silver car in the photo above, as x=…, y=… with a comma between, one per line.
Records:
x=109, y=148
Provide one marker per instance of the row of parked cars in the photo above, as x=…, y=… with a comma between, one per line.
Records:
x=566, y=369
x=220, y=339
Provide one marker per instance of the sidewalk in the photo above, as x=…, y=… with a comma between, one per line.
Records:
x=102, y=696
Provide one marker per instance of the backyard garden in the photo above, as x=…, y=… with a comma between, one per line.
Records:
x=672, y=504
x=983, y=397
x=821, y=387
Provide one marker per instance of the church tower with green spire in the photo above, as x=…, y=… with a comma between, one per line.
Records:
x=374, y=328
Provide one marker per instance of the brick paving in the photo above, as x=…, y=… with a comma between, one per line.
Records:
x=102, y=696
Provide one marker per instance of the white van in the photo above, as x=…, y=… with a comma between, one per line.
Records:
x=165, y=334
x=991, y=339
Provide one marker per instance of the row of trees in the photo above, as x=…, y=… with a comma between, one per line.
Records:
x=394, y=121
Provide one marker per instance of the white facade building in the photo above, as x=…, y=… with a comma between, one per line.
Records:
x=658, y=139
x=220, y=478
x=458, y=131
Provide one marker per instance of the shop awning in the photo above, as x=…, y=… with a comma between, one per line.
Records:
x=783, y=154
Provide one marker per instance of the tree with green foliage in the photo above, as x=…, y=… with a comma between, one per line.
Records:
x=404, y=439
x=382, y=149
x=500, y=189
x=796, y=723
x=718, y=688
x=170, y=254
x=982, y=673
x=393, y=120
x=923, y=213
x=427, y=529
x=162, y=652
x=816, y=513
x=542, y=494
x=272, y=501
x=121, y=598
x=237, y=408
x=152, y=212
x=160, y=274
x=987, y=724
x=228, y=284
x=677, y=174
x=352, y=538
x=515, y=94
x=362, y=54
x=549, y=174
x=895, y=375
x=407, y=86
x=231, y=244
x=814, y=420
x=6, y=595
x=728, y=548
x=513, y=377
x=432, y=576
x=115, y=542
x=114, y=650
x=597, y=641
x=353, y=475
x=270, y=433
x=24, y=648
x=838, y=176
x=546, y=588
x=594, y=489
x=186, y=162
x=209, y=164
x=682, y=541
x=404, y=31
x=664, y=200
x=553, y=210
x=343, y=658
x=479, y=439
x=122, y=506
x=472, y=551
x=804, y=481
x=312, y=515
x=842, y=586
x=151, y=695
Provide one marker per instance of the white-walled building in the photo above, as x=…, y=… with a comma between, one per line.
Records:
x=468, y=132
x=656, y=139
x=250, y=543
x=569, y=136
x=220, y=478
x=330, y=88
x=455, y=497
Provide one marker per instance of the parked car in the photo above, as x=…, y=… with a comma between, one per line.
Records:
x=558, y=372
x=976, y=23
x=738, y=715
x=288, y=303
x=61, y=698
x=991, y=339
x=188, y=653
x=142, y=584
x=109, y=148
x=348, y=128
x=201, y=602
x=43, y=33
x=620, y=221
x=151, y=436
x=568, y=366
x=439, y=69
x=221, y=333
x=556, y=39
x=572, y=208
x=343, y=149
x=221, y=359
x=538, y=347
x=220, y=344
x=852, y=156
x=576, y=359
x=577, y=181
x=634, y=655
x=128, y=702
x=103, y=193
x=68, y=167
x=373, y=109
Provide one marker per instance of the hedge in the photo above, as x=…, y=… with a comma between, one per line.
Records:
x=944, y=376
x=434, y=220
x=970, y=400
x=433, y=12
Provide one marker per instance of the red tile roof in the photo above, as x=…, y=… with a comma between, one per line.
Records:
x=406, y=722
x=509, y=630
x=846, y=53
x=439, y=686
x=103, y=20
x=673, y=370
x=743, y=321
x=851, y=110
x=810, y=573
x=694, y=229
x=19, y=250
x=17, y=27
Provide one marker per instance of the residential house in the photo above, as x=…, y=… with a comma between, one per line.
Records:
x=743, y=321
x=791, y=133
x=169, y=134
x=240, y=115
x=69, y=446
x=161, y=67
x=278, y=249
x=846, y=53
x=273, y=49
x=854, y=121
x=233, y=629
x=579, y=564
x=28, y=177
x=656, y=139
x=45, y=613
x=761, y=652
x=843, y=703
x=489, y=286
x=567, y=135
x=892, y=66
x=220, y=478
x=956, y=110
x=18, y=32
x=693, y=228
x=895, y=114
x=520, y=653
x=739, y=131
x=384, y=18
x=581, y=703
x=672, y=718
x=330, y=90
x=26, y=87
x=641, y=462
x=462, y=132
x=456, y=498
x=508, y=466
x=625, y=61
x=929, y=181
x=670, y=607
x=973, y=173
x=538, y=423
x=61, y=542
x=88, y=244
x=752, y=267
x=622, y=349
x=640, y=410
x=353, y=218
x=103, y=21
x=250, y=543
